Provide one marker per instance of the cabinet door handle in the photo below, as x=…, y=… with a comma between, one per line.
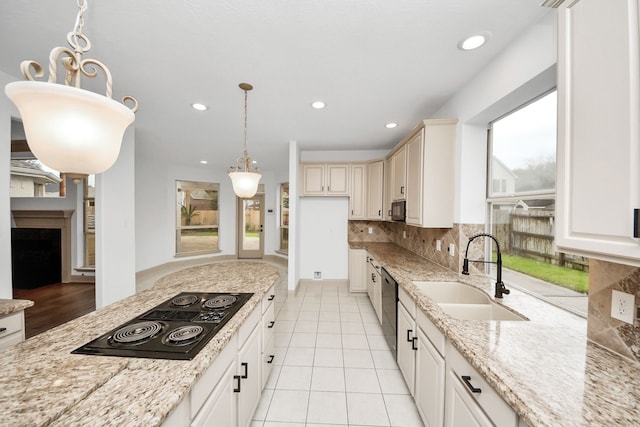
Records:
x=245, y=365
x=271, y=297
x=271, y=357
x=467, y=381
x=3, y=329
x=379, y=213
x=413, y=343
x=402, y=190
x=409, y=332
x=271, y=324
x=636, y=223
x=237, y=378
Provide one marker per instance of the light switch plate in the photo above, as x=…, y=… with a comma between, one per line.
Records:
x=622, y=306
x=452, y=249
x=438, y=245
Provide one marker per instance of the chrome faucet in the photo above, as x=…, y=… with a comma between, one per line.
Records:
x=500, y=288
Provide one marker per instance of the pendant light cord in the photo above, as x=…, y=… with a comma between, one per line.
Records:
x=246, y=153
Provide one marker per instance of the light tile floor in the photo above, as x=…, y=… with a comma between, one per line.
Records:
x=333, y=366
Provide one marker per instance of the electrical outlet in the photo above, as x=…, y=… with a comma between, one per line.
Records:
x=404, y=234
x=622, y=306
x=452, y=249
x=438, y=245
x=370, y=230
x=317, y=275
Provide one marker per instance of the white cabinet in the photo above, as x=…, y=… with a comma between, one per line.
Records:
x=357, y=270
x=407, y=337
x=220, y=407
x=398, y=174
x=325, y=179
x=375, y=184
x=358, y=199
x=268, y=322
x=430, y=174
x=470, y=400
x=11, y=329
x=374, y=286
x=386, y=193
x=430, y=372
x=249, y=386
x=598, y=186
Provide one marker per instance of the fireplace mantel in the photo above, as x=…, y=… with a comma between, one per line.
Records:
x=56, y=219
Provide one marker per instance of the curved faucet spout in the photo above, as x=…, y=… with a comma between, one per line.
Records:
x=500, y=288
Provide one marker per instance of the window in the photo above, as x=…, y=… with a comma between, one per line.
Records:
x=89, y=221
x=196, y=217
x=284, y=217
x=521, y=202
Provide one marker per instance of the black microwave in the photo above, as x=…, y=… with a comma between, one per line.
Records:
x=399, y=210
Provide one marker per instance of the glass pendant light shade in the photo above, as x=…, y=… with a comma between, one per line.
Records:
x=245, y=184
x=69, y=129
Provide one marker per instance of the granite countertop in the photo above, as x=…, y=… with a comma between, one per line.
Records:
x=545, y=368
x=44, y=384
x=8, y=306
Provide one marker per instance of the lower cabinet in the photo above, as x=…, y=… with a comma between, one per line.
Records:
x=11, y=329
x=357, y=270
x=447, y=390
x=374, y=287
x=229, y=391
x=268, y=323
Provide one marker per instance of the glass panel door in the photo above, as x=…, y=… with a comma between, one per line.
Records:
x=251, y=227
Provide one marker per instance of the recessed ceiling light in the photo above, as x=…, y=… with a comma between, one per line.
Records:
x=204, y=162
x=199, y=107
x=318, y=105
x=390, y=125
x=474, y=41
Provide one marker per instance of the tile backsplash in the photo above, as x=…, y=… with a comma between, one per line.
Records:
x=421, y=241
x=623, y=338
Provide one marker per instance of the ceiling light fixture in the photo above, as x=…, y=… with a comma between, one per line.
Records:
x=204, y=162
x=70, y=129
x=244, y=175
x=474, y=41
x=318, y=105
x=199, y=107
x=390, y=125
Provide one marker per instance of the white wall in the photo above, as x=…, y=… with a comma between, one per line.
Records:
x=7, y=109
x=526, y=68
x=115, y=227
x=155, y=209
x=324, y=237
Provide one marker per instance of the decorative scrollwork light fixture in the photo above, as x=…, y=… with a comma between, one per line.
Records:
x=70, y=129
x=245, y=175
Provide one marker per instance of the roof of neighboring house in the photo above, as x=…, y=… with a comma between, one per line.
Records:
x=33, y=171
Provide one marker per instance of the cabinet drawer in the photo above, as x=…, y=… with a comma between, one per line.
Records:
x=432, y=332
x=487, y=398
x=268, y=298
x=249, y=325
x=11, y=323
x=407, y=301
x=268, y=324
x=9, y=340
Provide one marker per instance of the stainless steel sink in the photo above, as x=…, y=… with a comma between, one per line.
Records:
x=465, y=302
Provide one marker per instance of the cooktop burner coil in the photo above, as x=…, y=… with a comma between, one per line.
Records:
x=137, y=332
x=184, y=300
x=184, y=335
x=221, y=301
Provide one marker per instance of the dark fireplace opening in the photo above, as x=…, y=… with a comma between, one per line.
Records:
x=36, y=257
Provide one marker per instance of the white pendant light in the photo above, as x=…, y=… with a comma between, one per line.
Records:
x=70, y=129
x=245, y=175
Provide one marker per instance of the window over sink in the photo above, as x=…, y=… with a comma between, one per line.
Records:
x=521, y=201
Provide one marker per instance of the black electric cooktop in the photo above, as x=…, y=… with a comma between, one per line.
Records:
x=176, y=329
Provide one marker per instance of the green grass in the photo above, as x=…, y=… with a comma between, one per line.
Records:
x=562, y=276
x=251, y=234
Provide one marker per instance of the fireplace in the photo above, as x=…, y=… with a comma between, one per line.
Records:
x=32, y=229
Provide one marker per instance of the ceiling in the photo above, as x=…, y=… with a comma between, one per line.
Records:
x=371, y=62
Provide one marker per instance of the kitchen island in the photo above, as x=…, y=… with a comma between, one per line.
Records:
x=44, y=384
x=545, y=368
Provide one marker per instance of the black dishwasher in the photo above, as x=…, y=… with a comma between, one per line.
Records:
x=389, y=310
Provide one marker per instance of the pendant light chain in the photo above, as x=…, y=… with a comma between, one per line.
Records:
x=79, y=24
x=246, y=153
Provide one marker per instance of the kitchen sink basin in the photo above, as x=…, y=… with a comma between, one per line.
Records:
x=465, y=302
x=452, y=293
x=490, y=311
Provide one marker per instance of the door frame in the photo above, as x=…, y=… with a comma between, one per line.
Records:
x=249, y=253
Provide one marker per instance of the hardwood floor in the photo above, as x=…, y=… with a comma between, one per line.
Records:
x=55, y=304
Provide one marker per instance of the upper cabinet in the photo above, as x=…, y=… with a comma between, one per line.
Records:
x=325, y=179
x=598, y=181
x=430, y=152
x=358, y=199
x=398, y=174
x=375, y=187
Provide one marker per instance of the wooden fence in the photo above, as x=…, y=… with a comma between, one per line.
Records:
x=530, y=234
